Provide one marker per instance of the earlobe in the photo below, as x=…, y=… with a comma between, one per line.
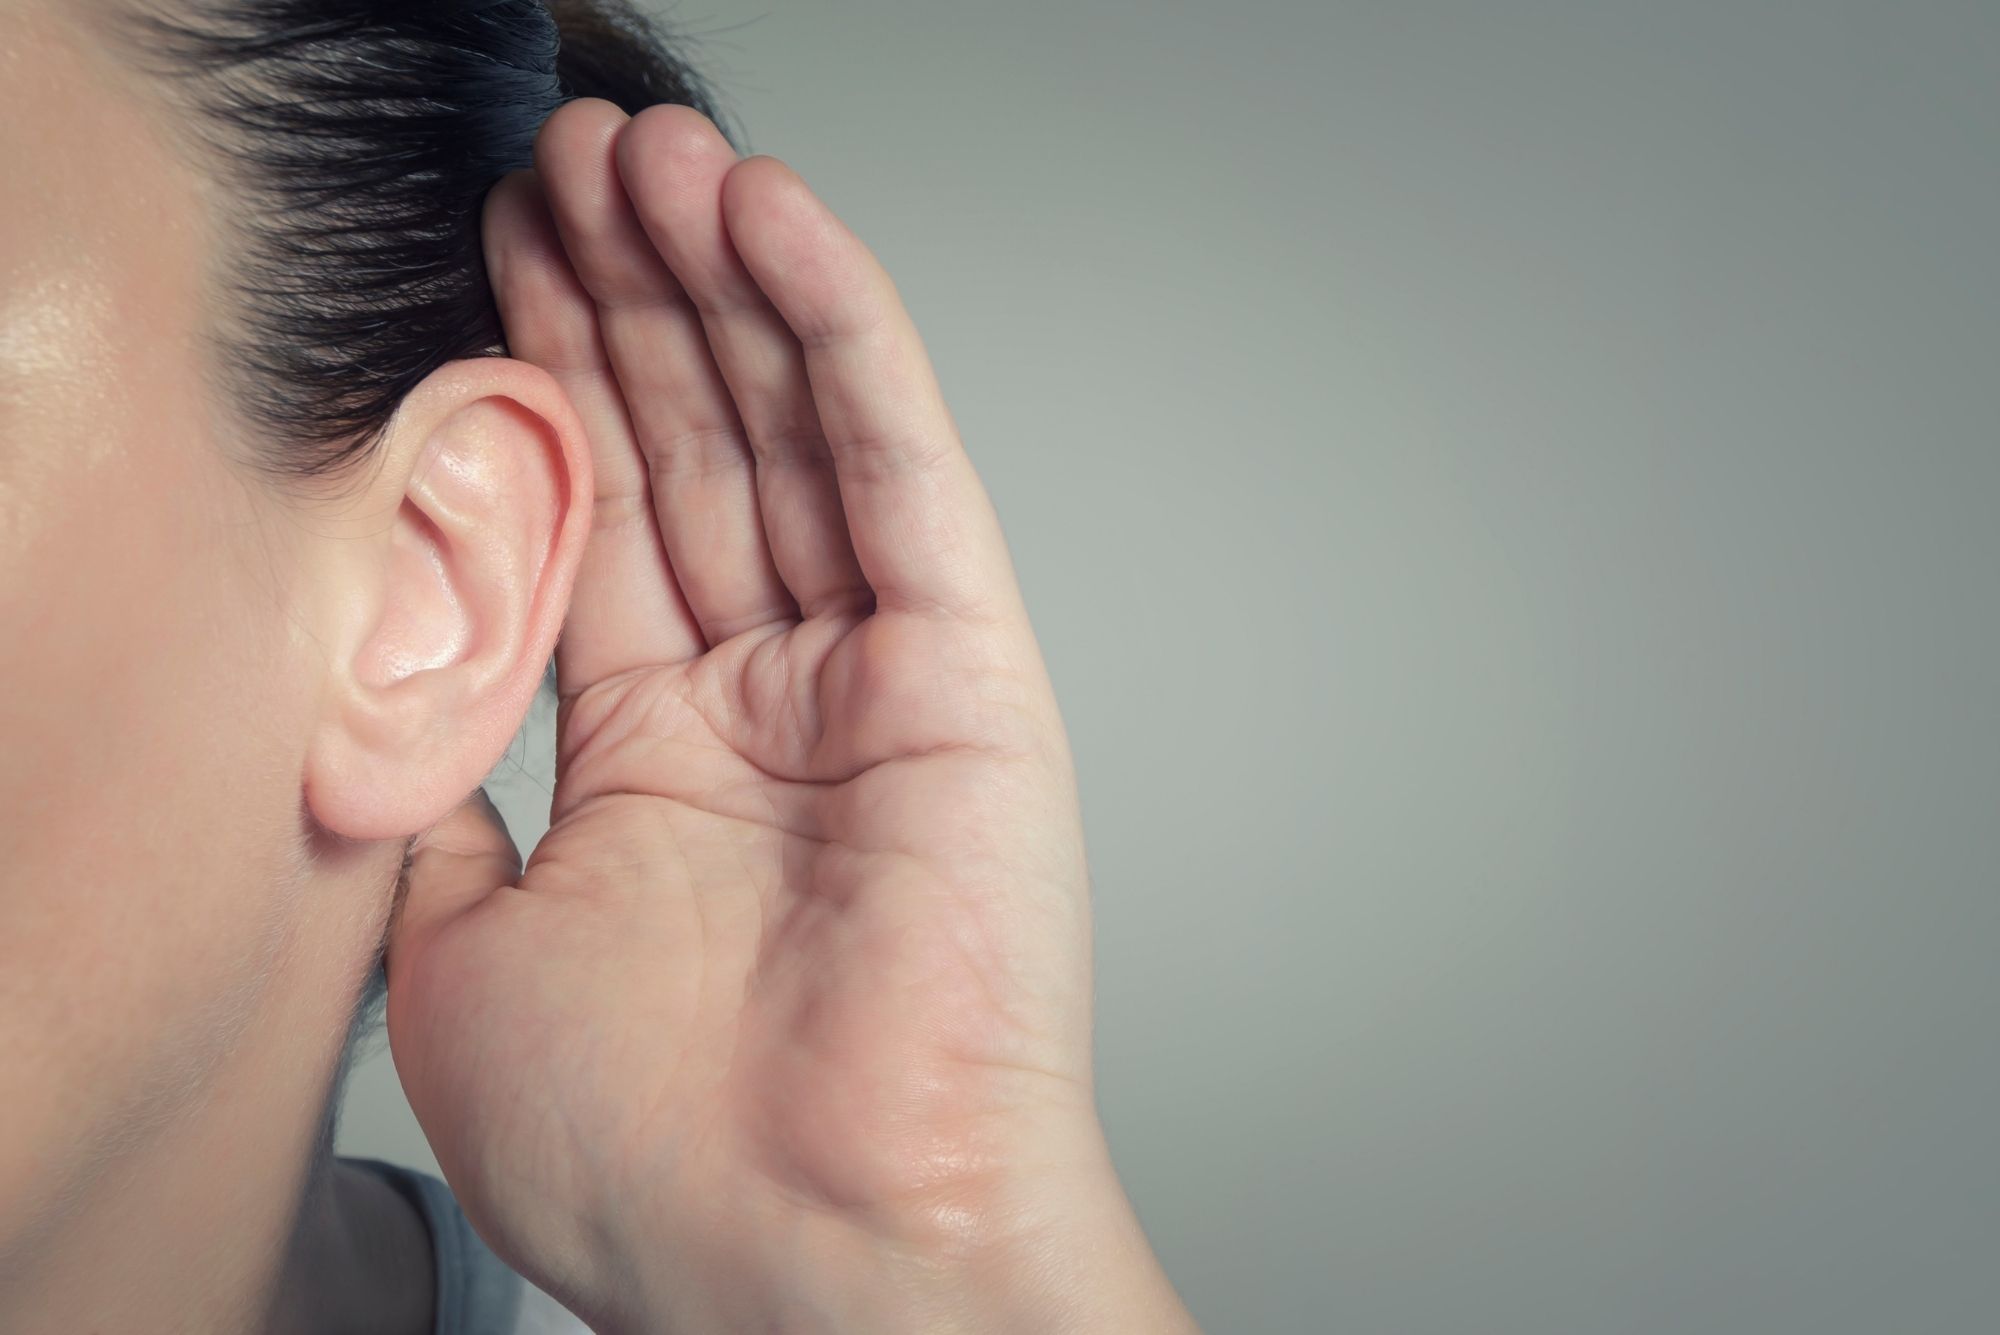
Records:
x=452, y=599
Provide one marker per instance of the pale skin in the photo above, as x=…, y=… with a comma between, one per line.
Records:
x=190, y=652
x=229, y=705
x=786, y=1023
x=225, y=708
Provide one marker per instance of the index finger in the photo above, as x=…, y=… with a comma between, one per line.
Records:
x=627, y=610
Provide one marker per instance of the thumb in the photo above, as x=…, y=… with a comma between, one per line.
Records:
x=449, y=868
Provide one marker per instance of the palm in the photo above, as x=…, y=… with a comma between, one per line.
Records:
x=814, y=839
x=813, y=929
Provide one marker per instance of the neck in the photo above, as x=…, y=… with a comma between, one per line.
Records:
x=225, y=1212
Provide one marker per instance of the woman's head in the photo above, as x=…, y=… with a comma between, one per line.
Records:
x=285, y=537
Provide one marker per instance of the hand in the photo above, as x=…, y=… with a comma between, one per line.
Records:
x=787, y=1021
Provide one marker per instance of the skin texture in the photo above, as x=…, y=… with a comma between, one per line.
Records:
x=226, y=709
x=806, y=948
x=786, y=1024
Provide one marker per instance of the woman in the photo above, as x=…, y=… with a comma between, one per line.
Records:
x=786, y=1023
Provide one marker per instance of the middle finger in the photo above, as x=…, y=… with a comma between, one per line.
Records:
x=703, y=478
x=672, y=161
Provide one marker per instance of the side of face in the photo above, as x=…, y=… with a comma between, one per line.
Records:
x=218, y=697
x=148, y=778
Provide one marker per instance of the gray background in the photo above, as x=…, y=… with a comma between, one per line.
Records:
x=1506, y=493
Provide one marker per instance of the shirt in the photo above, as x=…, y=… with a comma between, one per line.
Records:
x=477, y=1292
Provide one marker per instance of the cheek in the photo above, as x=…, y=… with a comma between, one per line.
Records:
x=153, y=707
x=139, y=696
x=152, y=720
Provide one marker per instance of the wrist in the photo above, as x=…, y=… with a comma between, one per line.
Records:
x=1072, y=1257
x=1052, y=1248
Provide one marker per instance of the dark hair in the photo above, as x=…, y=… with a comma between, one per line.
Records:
x=357, y=141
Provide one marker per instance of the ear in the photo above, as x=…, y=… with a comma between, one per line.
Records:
x=443, y=595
